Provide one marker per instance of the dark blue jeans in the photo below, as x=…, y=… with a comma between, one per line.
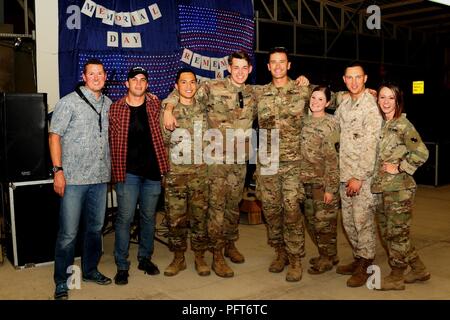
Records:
x=128, y=193
x=89, y=202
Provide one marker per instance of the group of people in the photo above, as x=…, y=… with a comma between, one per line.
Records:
x=360, y=160
x=93, y=142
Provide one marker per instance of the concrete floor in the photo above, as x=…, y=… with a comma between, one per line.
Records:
x=252, y=281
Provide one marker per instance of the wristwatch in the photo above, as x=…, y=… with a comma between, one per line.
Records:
x=55, y=169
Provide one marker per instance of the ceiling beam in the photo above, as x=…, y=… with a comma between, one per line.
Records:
x=345, y=3
x=271, y=15
x=409, y=12
x=436, y=25
x=441, y=16
x=399, y=4
x=30, y=13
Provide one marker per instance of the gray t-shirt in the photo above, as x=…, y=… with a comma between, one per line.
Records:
x=85, y=150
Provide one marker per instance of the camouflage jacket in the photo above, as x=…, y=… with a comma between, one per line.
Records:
x=188, y=136
x=282, y=108
x=220, y=99
x=360, y=125
x=319, y=149
x=400, y=144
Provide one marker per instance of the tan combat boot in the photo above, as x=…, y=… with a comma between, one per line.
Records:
x=219, y=265
x=348, y=269
x=418, y=272
x=394, y=281
x=178, y=264
x=294, y=272
x=200, y=265
x=280, y=261
x=324, y=264
x=314, y=260
x=360, y=276
x=232, y=252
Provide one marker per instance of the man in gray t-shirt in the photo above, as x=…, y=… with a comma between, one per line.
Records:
x=81, y=164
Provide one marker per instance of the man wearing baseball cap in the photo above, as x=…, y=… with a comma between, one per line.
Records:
x=133, y=72
x=138, y=160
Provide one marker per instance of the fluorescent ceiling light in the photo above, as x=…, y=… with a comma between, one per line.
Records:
x=444, y=2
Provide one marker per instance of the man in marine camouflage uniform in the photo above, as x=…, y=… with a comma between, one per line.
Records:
x=186, y=187
x=360, y=124
x=281, y=105
x=229, y=104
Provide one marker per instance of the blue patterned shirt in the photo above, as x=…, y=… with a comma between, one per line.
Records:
x=85, y=150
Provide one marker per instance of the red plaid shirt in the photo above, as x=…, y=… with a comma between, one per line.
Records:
x=119, y=121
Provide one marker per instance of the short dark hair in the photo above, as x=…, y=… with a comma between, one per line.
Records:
x=184, y=70
x=325, y=89
x=279, y=50
x=356, y=64
x=239, y=55
x=92, y=61
x=398, y=93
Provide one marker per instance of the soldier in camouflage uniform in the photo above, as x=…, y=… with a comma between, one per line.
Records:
x=186, y=188
x=229, y=104
x=319, y=173
x=401, y=151
x=281, y=105
x=360, y=124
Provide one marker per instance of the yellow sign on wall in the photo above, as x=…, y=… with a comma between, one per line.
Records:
x=418, y=87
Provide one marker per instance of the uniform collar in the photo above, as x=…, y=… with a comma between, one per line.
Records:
x=288, y=86
x=361, y=98
x=193, y=105
x=233, y=88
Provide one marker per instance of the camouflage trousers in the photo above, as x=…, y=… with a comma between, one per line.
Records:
x=358, y=218
x=280, y=194
x=321, y=219
x=226, y=187
x=186, y=198
x=394, y=210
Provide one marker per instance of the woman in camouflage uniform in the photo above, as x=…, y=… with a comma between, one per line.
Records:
x=319, y=172
x=400, y=152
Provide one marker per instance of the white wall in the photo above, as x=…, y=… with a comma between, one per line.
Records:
x=46, y=15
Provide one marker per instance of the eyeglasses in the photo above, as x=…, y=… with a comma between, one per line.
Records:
x=241, y=100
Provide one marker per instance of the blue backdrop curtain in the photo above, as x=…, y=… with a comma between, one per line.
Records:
x=211, y=28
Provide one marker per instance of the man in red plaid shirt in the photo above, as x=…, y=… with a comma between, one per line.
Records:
x=138, y=161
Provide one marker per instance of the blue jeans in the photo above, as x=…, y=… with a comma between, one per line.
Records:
x=89, y=202
x=128, y=193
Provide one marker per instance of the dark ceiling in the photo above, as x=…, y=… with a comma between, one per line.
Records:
x=14, y=14
x=418, y=14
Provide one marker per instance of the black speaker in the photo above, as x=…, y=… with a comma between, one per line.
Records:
x=31, y=214
x=31, y=219
x=24, y=153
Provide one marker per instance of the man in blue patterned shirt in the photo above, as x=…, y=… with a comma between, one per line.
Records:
x=79, y=150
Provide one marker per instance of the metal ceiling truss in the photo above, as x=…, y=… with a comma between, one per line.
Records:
x=333, y=19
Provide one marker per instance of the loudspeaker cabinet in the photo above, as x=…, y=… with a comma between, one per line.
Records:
x=24, y=153
x=30, y=211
